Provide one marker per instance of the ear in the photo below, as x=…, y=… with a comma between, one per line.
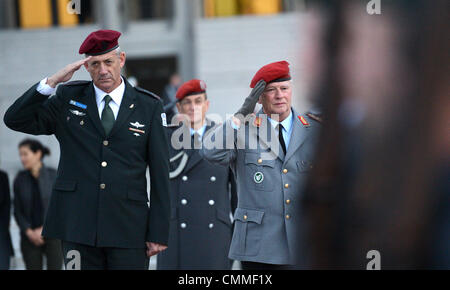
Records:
x=123, y=58
x=178, y=106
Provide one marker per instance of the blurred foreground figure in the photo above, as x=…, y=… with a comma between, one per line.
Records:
x=381, y=176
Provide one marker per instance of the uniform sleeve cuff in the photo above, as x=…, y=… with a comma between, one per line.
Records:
x=44, y=89
x=233, y=125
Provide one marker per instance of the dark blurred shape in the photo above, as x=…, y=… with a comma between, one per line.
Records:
x=168, y=96
x=382, y=168
x=6, y=247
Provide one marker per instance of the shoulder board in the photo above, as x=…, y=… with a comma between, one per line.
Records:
x=147, y=93
x=77, y=83
x=316, y=118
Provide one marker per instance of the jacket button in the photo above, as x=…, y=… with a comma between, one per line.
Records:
x=183, y=225
x=245, y=217
x=288, y=216
x=286, y=185
x=102, y=186
x=285, y=171
x=260, y=161
x=184, y=178
x=213, y=179
x=105, y=143
x=104, y=164
x=82, y=123
x=211, y=226
x=212, y=202
x=288, y=201
x=183, y=201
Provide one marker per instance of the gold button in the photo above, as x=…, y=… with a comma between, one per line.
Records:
x=106, y=143
x=104, y=164
x=288, y=201
x=286, y=185
x=285, y=171
x=288, y=216
x=245, y=217
x=260, y=161
x=102, y=186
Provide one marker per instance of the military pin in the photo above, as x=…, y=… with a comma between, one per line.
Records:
x=258, y=178
x=303, y=120
x=132, y=106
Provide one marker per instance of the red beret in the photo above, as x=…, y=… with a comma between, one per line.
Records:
x=100, y=42
x=192, y=87
x=274, y=72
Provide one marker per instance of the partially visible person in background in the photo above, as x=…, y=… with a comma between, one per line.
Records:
x=32, y=190
x=203, y=195
x=168, y=96
x=381, y=176
x=6, y=248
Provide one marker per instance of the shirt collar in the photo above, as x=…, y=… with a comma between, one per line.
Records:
x=115, y=95
x=287, y=123
x=200, y=131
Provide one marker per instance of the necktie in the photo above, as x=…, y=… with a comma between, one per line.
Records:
x=196, y=141
x=280, y=137
x=107, y=116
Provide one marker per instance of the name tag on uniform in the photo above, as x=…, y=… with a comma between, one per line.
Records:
x=79, y=105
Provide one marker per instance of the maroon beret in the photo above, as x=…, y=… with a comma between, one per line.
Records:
x=274, y=72
x=100, y=42
x=192, y=87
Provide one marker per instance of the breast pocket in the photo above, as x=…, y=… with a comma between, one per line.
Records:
x=259, y=172
x=304, y=166
x=63, y=185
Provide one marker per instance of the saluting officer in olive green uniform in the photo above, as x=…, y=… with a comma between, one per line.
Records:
x=109, y=133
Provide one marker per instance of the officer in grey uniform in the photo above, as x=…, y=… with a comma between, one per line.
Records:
x=201, y=192
x=271, y=175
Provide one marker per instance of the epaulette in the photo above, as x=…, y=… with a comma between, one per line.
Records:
x=147, y=93
x=77, y=83
x=316, y=118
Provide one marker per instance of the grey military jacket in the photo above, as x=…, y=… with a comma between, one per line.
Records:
x=268, y=219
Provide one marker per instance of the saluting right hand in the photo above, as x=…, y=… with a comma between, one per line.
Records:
x=250, y=102
x=66, y=73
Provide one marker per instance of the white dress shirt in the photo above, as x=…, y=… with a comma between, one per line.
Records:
x=116, y=96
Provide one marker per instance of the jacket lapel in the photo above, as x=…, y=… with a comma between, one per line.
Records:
x=92, y=109
x=126, y=108
x=298, y=137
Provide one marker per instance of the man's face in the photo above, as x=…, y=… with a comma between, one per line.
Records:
x=195, y=107
x=105, y=70
x=276, y=99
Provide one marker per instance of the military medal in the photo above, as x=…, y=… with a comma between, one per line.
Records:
x=136, y=130
x=259, y=177
x=79, y=105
